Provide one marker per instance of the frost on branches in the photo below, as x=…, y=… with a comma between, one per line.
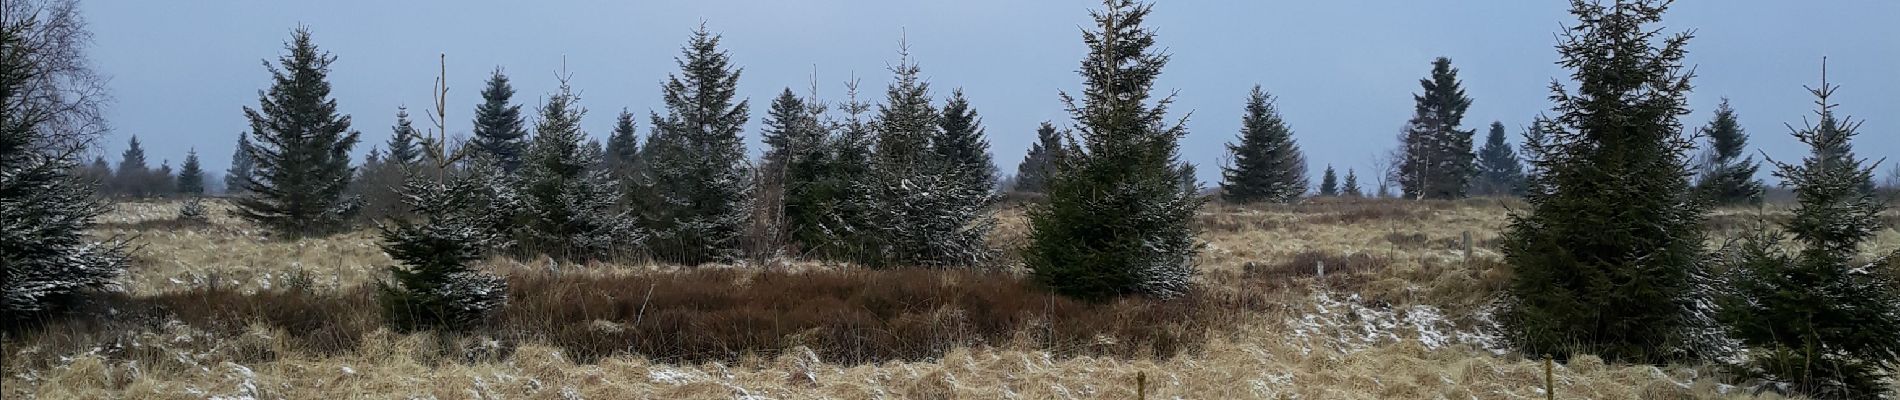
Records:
x=571, y=206
x=464, y=217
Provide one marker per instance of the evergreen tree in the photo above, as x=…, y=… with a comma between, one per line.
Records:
x=1352, y=185
x=1499, y=172
x=46, y=254
x=1032, y=174
x=1821, y=320
x=465, y=217
x=697, y=166
x=162, y=181
x=570, y=205
x=500, y=133
x=403, y=147
x=1267, y=163
x=962, y=147
x=1329, y=183
x=1116, y=221
x=133, y=178
x=1437, y=161
x=301, y=146
x=783, y=121
x=622, y=155
x=930, y=211
x=1608, y=258
x=191, y=178
x=242, y=166
x=1727, y=177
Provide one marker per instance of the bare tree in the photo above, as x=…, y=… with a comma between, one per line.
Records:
x=63, y=88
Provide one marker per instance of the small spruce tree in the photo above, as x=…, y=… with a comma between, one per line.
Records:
x=1821, y=319
x=301, y=145
x=133, y=179
x=1351, y=188
x=1329, y=183
x=1727, y=177
x=1499, y=172
x=238, y=176
x=1032, y=174
x=191, y=177
x=1116, y=220
x=1267, y=164
x=621, y=157
x=571, y=207
x=931, y=211
x=404, y=150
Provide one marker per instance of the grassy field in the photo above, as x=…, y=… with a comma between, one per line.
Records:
x=1325, y=300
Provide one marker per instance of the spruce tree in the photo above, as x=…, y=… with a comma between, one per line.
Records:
x=1329, y=183
x=500, y=132
x=1352, y=185
x=1117, y=220
x=1608, y=259
x=46, y=255
x=1727, y=177
x=1267, y=164
x=403, y=147
x=962, y=147
x=931, y=211
x=1032, y=174
x=697, y=170
x=464, y=219
x=1499, y=172
x=301, y=145
x=570, y=205
x=242, y=166
x=133, y=179
x=1437, y=162
x=784, y=120
x=162, y=181
x=191, y=177
x=622, y=154
x=1821, y=319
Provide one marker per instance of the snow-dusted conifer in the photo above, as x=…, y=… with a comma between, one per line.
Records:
x=572, y=209
x=301, y=145
x=1267, y=163
x=929, y=210
x=697, y=176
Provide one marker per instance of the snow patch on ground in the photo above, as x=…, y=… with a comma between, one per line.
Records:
x=1350, y=324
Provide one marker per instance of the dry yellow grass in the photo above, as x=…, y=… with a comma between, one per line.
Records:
x=1413, y=328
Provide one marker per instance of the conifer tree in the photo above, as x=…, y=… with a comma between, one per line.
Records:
x=1608, y=259
x=930, y=211
x=242, y=166
x=622, y=154
x=46, y=255
x=962, y=147
x=570, y=205
x=191, y=177
x=1437, y=161
x=783, y=121
x=1499, y=172
x=403, y=147
x=1117, y=220
x=1329, y=183
x=1352, y=185
x=697, y=170
x=134, y=177
x=301, y=146
x=1032, y=174
x=500, y=133
x=1267, y=163
x=161, y=181
x=1820, y=319
x=1727, y=176
x=465, y=218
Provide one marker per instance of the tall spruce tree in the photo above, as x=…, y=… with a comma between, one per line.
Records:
x=134, y=177
x=622, y=155
x=242, y=167
x=46, y=255
x=1437, y=161
x=403, y=145
x=301, y=145
x=1822, y=320
x=1267, y=163
x=1329, y=183
x=962, y=147
x=931, y=209
x=1727, y=177
x=833, y=214
x=783, y=121
x=1352, y=185
x=571, y=207
x=1032, y=174
x=1499, y=171
x=500, y=132
x=191, y=177
x=1608, y=259
x=697, y=169
x=1117, y=220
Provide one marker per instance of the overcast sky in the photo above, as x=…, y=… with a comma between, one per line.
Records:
x=1343, y=72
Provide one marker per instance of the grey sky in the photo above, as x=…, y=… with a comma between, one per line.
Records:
x=1343, y=71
